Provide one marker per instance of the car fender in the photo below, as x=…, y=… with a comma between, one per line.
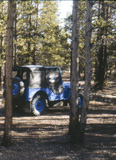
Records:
x=66, y=90
x=31, y=93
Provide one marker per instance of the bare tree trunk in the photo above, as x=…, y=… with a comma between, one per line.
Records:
x=1, y=46
x=87, y=71
x=8, y=78
x=101, y=59
x=74, y=115
x=15, y=37
x=35, y=47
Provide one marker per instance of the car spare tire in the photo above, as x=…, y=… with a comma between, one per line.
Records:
x=18, y=87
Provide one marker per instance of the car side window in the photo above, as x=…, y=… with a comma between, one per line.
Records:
x=14, y=74
x=24, y=76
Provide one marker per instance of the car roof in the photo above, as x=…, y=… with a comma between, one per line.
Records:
x=51, y=67
x=33, y=67
x=29, y=67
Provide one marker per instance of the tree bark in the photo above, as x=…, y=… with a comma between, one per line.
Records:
x=74, y=115
x=101, y=60
x=8, y=78
x=87, y=71
x=15, y=37
x=35, y=45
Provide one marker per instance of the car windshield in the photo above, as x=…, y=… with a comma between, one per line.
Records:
x=53, y=75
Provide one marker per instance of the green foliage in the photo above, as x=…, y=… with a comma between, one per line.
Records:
x=68, y=29
x=38, y=38
x=103, y=39
x=103, y=34
x=3, y=20
x=54, y=50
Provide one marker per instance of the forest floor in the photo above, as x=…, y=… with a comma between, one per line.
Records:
x=46, y=137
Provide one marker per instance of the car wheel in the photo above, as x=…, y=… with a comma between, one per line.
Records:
x=38, y=105
x=80, y=101
x=17, y=87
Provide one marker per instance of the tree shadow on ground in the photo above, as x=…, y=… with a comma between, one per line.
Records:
x=46, y=136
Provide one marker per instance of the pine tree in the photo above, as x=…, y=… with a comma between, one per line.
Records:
x=3, y=20
x=74, y=113
x=27, y=31
x=87, y=71
x=104, y=33
x=68, y=28
x=8, y=84
x=49, y=25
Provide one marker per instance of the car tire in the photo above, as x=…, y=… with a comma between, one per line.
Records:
x=38, y=105
x=80, y=101
x=18, y=87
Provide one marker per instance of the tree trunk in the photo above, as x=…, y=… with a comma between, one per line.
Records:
x=35, y=45
x=15, y=37
x=74, y=115
x=87, y=71
x=8, y=78
x=1, y=40
x=101, y=60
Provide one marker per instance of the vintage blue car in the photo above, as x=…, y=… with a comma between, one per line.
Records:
x=36, y=87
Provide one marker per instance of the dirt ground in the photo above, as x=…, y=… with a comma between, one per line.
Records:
x=45, y=137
